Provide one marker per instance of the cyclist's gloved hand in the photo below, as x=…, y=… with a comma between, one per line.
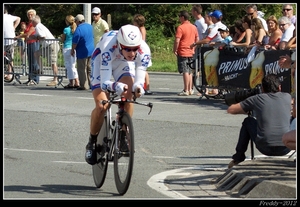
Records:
x=138, y=90
x=121, y=88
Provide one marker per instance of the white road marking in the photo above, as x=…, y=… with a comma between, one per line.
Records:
x=27, y=150
x=156, y=182
x=31, y=94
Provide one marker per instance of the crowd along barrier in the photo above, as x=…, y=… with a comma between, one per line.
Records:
x=20, y=60
x=231, y=68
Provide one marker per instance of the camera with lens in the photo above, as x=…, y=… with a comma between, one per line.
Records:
x=238, y=96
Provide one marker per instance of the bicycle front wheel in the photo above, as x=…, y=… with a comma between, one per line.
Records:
x=8, y=76
x=100, y=168
x=123, y=158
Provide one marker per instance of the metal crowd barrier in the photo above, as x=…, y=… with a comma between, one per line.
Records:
x=229, y=69
x=20, y=61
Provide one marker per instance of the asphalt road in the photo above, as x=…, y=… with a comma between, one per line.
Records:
x=46, y=130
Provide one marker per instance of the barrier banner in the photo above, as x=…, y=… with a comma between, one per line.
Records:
x=228, y=68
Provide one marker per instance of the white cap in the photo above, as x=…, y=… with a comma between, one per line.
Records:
x=96, y=10
x=79, y=17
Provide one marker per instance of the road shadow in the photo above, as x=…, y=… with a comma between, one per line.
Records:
x=74, y=190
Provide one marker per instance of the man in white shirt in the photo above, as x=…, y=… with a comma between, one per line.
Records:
x=199, y=20
x=49, y=49
x=287, y=28
x=10, y=23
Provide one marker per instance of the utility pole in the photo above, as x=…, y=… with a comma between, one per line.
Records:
x=87, y=9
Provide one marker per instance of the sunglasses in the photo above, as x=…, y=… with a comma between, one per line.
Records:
x=250, y=14
x=286, y=9
x=130, y=49
x=282, y=25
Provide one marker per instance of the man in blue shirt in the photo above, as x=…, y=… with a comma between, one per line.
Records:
x=83, y=43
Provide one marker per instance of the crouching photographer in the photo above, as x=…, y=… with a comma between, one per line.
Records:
x=272, y=109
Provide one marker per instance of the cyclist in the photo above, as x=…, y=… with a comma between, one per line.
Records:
x=125, y=56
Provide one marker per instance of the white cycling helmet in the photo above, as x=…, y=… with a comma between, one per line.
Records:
x=129, y=36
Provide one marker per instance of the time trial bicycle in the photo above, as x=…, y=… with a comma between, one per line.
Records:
x=115, y=143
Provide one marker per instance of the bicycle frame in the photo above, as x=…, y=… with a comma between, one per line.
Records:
x=108, y=142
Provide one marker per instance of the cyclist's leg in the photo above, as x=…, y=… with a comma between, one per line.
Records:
x=96, y=121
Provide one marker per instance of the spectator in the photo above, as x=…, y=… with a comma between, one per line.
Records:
x=21, y=42
x=288, y=11
x=199, y=20
x=208, y=21
x=252, y=12
x=69, y=60
x=224, y=32
x=289, y=138
x=49, y=49
x=10, y=23
x=275, y=33
x=214, y=35
x=292, y=44
x=287, y=29
x=240, y=32
x=249, y=37
x=261, y=36
x=289, y=61
x=210, y=25
x=139, y=21
x=100, y=26
x=33, y=45
x=83, y=43
x=266, y=129
x=186, y=34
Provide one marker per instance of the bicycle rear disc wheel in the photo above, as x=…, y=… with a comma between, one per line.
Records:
x=100, y=168
x=8, y=76
x=123, y=160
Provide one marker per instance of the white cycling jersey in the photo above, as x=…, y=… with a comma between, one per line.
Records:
x=107, y=60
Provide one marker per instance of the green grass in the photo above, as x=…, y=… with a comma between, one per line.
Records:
x=163, y=62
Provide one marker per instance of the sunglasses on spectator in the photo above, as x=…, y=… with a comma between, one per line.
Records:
x=282, y=25
x=250, y=14
x=129, y=49
x=286, y=9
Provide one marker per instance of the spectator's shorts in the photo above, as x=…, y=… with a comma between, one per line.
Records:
x=182, y=63
x=50, y=52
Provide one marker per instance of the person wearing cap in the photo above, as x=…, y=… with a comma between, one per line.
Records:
x=100, y=26
x=125, y=56
x=83, y=43
x=214, y=34
x=224, y=32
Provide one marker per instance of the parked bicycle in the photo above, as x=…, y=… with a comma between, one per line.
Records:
x=9, y=74
x=115, y=143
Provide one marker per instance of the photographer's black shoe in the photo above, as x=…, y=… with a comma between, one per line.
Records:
x=90, y=154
